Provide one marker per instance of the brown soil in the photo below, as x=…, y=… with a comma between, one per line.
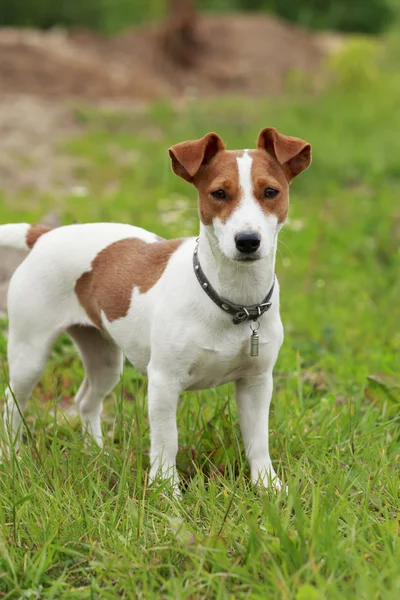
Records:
x=250, y=54
x=31, y=130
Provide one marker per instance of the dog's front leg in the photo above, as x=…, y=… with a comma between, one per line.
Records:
x=253, y=397
x=163, y=400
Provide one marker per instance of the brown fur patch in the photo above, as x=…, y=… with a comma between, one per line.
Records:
x=116, y=270
x=267, y=172
x=222, y=172
x=34, y=233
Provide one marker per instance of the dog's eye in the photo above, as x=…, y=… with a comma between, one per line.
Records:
x=270, y=193
x=218, y=194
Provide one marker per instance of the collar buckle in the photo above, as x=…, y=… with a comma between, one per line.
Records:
x=251, y=313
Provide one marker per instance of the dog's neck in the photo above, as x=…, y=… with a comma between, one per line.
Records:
x=243, y=284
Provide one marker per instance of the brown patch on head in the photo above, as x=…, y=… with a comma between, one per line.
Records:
x=266, y=172
x=116, y=270
x=221, y=173
x=34, y=233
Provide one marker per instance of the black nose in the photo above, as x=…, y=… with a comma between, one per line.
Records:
x=247, y=242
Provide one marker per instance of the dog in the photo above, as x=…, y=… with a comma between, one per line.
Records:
x=189, y=313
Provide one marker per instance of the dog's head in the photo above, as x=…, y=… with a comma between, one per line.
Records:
x=243, y=195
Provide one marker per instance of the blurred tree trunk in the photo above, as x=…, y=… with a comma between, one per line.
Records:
x=180, y=39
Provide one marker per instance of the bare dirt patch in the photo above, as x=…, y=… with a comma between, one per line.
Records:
x=247, y=54
x=31, y=130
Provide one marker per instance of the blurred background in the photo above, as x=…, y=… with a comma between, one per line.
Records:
x=92, y=93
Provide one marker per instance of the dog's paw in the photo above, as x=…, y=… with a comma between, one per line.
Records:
x=168, y=478
x=269, y=480
x=278, y=486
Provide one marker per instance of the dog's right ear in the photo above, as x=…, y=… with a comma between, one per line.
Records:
x=187, y=157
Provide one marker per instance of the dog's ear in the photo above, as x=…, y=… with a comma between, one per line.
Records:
x=187, y=157
x=292, y=153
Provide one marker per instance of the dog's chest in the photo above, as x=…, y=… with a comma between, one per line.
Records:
x=216, y=366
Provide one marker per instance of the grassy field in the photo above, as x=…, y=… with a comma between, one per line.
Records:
x=77, y=523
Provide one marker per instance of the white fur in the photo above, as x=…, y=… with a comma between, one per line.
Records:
x=245, y=181
x=173, y=333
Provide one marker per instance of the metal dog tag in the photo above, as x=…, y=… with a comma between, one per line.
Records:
x=254, y=343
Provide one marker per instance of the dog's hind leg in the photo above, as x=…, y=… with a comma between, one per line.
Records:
x=28, y=351
x=103, y=363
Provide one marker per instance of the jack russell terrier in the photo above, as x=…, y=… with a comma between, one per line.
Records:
x=190, y=313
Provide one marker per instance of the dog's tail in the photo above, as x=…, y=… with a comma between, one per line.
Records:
x=21, y=235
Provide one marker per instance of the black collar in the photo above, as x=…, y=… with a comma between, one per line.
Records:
x=241, y=314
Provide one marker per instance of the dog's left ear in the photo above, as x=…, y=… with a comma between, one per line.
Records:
x=187, y=157
x=292, y=153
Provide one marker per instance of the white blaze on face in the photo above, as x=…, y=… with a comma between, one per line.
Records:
x=245, y=181
x=248, y=216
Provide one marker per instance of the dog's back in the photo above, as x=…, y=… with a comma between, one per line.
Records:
x=46, y=279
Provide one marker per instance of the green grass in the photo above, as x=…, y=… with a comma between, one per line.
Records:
x=77, y=523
